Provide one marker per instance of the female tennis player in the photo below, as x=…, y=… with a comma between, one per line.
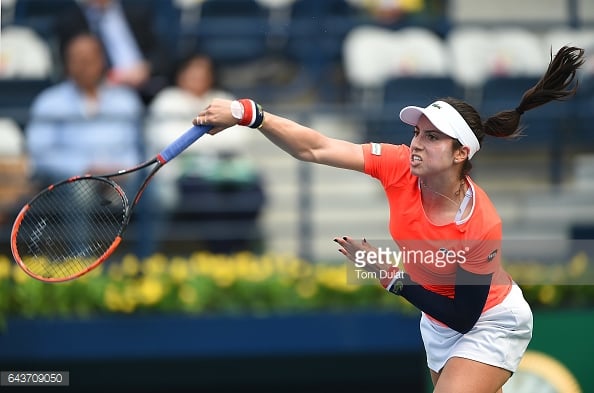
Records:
x=475, y=323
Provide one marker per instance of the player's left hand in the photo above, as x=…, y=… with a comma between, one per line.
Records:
x=356, y=249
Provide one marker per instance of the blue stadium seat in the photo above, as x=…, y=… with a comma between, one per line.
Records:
x=220, y=216
x=39, y=14
x=548, y=129
x=167, y=20
x=582, y=135
x=545, y=127
x=315, y=37
x=230, y=31
x=17, y=95
x=504, y=92
x=420, y=90
x=385, y=125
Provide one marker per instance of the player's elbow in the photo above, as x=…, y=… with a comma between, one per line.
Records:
x=465, y=323
x=306, y=155
x=463, y=328
x=302, y=155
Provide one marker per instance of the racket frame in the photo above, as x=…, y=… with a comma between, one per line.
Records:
x=167, y=154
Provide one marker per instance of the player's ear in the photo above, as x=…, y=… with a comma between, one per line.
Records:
x=461, y=154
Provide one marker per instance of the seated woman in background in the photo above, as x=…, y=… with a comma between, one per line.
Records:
x=194, y=85
x=215, y=180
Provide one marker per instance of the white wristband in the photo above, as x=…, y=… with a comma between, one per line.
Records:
x=237, y=110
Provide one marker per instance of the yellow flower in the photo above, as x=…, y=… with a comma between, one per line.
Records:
x=130, y=265
x=18, y=275
x=557, y=274
x=96, y=272
x=195, y=263
x=224, y=275
x=293, y=268
x=5, y=266
x=204, y=264
x=155, y=265
x=254, y=270
x=578, y=265
x=335, y=277
x=306, y=289
x=188, y=295
x=547, y=294
x=115, y=272
x=129, y=299
x=120, y=300
x=112, y=298
x=179, y=270
x=150, y=290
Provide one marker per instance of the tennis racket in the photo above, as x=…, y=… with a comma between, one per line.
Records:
x=72, y=226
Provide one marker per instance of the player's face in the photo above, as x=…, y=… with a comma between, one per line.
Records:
x=431, y=150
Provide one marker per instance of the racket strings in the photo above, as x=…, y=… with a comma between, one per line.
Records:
x=70, y=227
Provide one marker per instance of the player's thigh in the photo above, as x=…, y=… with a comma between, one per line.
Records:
x=461, y=375
x=434, y=376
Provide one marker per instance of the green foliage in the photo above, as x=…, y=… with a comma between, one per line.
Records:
x=246, y=283
x=201, y=284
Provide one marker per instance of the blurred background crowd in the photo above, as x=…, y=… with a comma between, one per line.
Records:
x=344, y=66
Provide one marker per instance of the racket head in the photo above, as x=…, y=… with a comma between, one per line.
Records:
x=69, y=228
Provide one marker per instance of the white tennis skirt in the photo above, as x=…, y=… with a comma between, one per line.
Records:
x=499, y=338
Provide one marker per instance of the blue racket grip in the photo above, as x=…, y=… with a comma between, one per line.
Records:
x=182, y=143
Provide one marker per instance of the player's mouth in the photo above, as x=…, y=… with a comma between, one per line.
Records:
x=415, y=160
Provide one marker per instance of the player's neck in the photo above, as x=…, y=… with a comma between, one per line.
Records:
x=449, y=191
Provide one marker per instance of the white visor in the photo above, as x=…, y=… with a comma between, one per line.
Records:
x=447, y=120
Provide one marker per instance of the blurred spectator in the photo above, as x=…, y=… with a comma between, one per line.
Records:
x=83, y=124
x=193, y=86
x=14, y=166
x=135, y=56
x=86, y=125
x=214, y=180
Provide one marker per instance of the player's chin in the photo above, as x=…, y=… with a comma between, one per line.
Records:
x=416, y=170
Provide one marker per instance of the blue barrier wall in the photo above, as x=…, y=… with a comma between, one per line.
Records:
x=309, y=351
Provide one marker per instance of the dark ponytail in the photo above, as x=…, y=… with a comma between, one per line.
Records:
x=554, y=85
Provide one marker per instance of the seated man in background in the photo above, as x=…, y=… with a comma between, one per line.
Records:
x=86, y=125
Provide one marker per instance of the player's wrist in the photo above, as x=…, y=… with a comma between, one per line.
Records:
x=248, y=113
x=394, y=281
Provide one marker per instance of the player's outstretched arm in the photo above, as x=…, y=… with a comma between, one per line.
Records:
x=299, y=141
